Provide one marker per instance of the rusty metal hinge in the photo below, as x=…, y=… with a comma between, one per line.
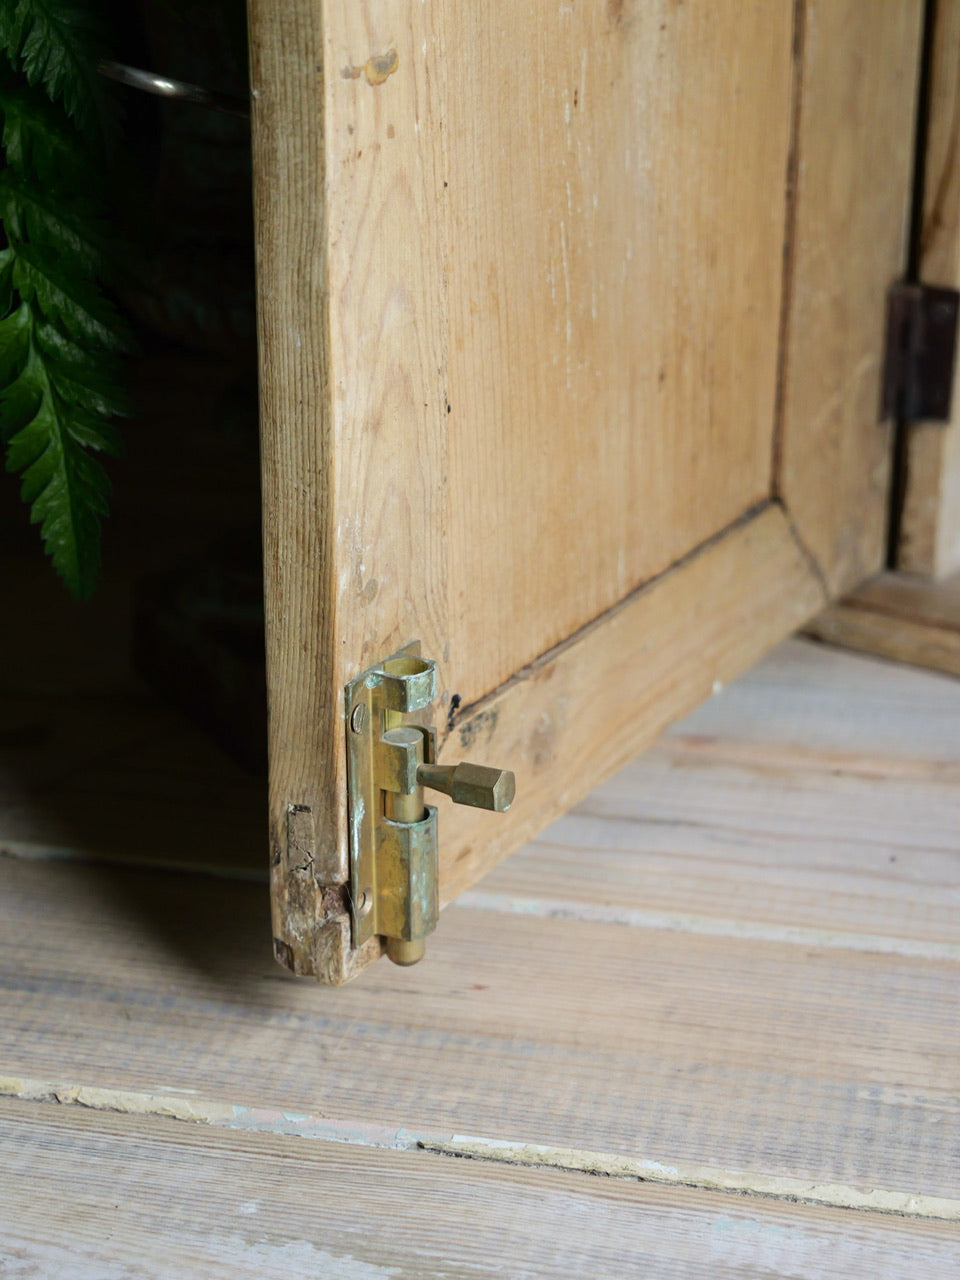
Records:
x=920, y=352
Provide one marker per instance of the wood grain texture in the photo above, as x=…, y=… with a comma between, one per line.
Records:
x=819, y=793
x=546, y=314
x=99, y=765
x=930, y=525
x=848, y=245
x=782, y=1058
x=161, y=1200
x=901, y=617
x=627, y=1022
x=584, y=709
x=581, y=712
x=453, y=245
x=304, y=696
x=609, y=277
x=784, y=798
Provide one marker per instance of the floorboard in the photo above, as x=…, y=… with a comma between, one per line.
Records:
x=820, y=792
x=734, y=965
x=781, y=1058
x=157, y=1200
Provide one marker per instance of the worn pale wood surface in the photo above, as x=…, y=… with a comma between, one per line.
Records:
x=522, y=309
x=573, y=717
x=577, y=715
x=848, y=243
x=800, y=797
x=786, y=1057
x=526, y=187
x=930, y=527
x=612, y=329
x=740, y=953
x=450, y=252
x=897, y=616
x=162, y=1200
x=300, y=568
x=78, y=774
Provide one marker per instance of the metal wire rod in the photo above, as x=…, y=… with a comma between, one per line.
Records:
x=164, y=87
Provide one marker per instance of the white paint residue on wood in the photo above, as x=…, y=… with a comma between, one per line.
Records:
x=835, y=1194
x=186, y=1105
x=181, y=1105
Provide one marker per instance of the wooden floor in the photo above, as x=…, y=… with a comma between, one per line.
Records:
x=708, y=1025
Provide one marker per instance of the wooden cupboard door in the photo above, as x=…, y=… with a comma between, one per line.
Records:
x=929, y=524
x=570, y=330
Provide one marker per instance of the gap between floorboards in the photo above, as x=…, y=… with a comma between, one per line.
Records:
x=178, y=1104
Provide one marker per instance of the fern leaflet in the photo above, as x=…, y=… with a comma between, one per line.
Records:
x=59, y=336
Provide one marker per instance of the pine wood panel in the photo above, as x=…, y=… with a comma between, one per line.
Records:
x=847, y=245
x=777, y=1057
x=900, y=617
x=161, y=1199
x=473, y=243
x=591, y=705
x=607, y=273
x=454, y=425
x=554, y=271
x=930, y=525
x=575, y=716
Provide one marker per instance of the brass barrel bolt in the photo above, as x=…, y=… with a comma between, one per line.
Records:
x=393, y=832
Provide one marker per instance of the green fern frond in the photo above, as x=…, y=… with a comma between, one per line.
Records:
x=59, y=335
x=66, y=296
x=95, y=386
x=48, y=435
x=36, y=138
x=32, y=213
x=57, y=45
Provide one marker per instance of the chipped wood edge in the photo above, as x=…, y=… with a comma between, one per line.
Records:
x=192, y=1108
x=307, y=831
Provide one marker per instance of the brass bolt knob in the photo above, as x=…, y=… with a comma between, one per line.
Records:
x=472, y=784
x=406, y=953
